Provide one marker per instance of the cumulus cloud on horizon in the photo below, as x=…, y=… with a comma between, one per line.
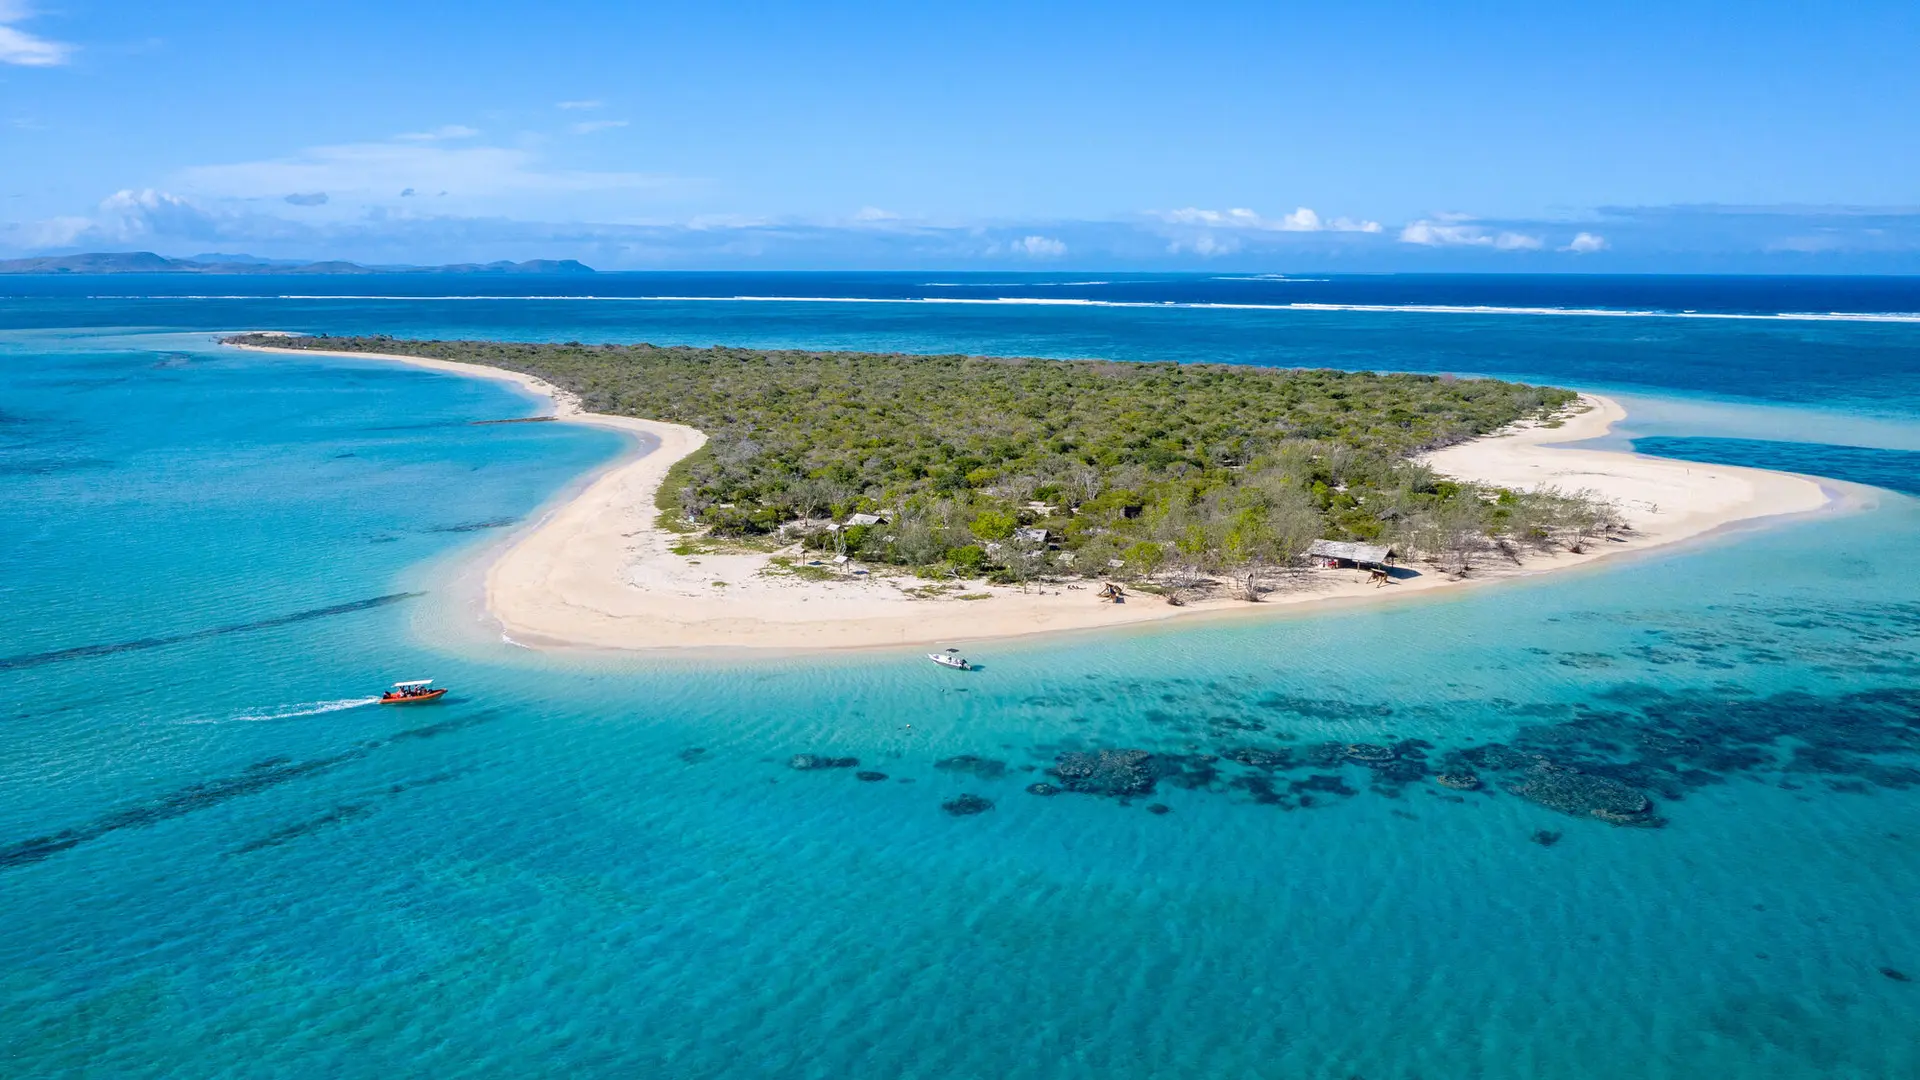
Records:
x=1302, y=219
x=1040, y=247
x=1453, y=230
x=251, y=209
x=23, y=49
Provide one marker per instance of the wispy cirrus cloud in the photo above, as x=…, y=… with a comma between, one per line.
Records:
x=441, y=133
x=23, y=49
x=378, y=169
x=588, y=127
x=589, y=104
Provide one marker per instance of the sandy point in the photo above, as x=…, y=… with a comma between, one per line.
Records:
x=599, y=570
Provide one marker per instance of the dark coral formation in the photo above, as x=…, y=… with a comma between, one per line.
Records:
x=1571, y=791
x=1625, y=753
x=1107, y=772
x=1260, y=757
x=869, y=777
x=809, y=762
x=984, y=768
x=966, y=805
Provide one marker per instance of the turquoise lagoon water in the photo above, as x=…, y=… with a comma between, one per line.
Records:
x=216, y=860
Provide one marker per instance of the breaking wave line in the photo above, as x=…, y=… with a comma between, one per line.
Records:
x=1196, y=305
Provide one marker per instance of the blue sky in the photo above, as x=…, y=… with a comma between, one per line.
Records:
x=1679, y=136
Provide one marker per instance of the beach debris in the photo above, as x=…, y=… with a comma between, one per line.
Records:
x=966, y=805
x=808, y=762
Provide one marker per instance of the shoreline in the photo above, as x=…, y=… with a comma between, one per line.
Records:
x=598, y=572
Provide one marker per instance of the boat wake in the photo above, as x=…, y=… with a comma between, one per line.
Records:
x=288, y=712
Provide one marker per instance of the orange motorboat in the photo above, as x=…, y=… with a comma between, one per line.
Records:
x=412, y=692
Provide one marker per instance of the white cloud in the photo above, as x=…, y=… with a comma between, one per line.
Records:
x=579, y=104
x=377, y=169
x=1205, y=245
x=1585, y=243
x=874, y=213
x=1303, y=219
x=1039, y=247
x=24, y=49
x=125, y=217
x=1454, y=230
x=441, y=133
x=588, y=127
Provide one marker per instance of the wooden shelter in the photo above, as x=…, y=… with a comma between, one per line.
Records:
x=1350, y=553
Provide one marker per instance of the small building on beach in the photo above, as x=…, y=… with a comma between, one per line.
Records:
x=1350, y=553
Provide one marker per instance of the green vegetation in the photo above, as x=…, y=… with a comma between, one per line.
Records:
x=1020, y=468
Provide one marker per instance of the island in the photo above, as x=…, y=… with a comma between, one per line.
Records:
x=802, y=499
x=146, y=262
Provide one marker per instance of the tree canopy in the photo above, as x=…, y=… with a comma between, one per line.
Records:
x=1021, y=466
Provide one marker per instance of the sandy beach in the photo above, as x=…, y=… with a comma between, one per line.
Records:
x=598, y=571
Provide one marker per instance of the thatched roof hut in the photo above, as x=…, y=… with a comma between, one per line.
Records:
x=1351, y=553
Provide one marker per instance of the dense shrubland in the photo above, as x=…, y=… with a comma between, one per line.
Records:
x=1163, y=471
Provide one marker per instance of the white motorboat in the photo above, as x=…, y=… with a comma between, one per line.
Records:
x=951, y=658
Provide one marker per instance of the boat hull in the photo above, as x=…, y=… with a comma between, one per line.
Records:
x=412, y=699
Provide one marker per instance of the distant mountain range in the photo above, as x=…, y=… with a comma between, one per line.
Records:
x=146, y=262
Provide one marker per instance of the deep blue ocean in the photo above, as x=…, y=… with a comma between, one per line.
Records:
x=217, y=860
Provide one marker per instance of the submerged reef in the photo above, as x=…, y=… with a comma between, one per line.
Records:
x=810, y=762
x=1106, y=772
x=984, y=768
x=966, y=805
x=1571, y=791
x=1625, y=755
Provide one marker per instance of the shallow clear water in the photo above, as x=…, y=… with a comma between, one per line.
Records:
x=216, y=861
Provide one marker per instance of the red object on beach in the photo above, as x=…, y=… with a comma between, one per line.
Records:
x=412, y=692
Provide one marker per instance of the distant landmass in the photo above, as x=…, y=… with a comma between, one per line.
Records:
x=146, y=262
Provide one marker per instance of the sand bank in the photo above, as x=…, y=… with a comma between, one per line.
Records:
x=598, y=571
